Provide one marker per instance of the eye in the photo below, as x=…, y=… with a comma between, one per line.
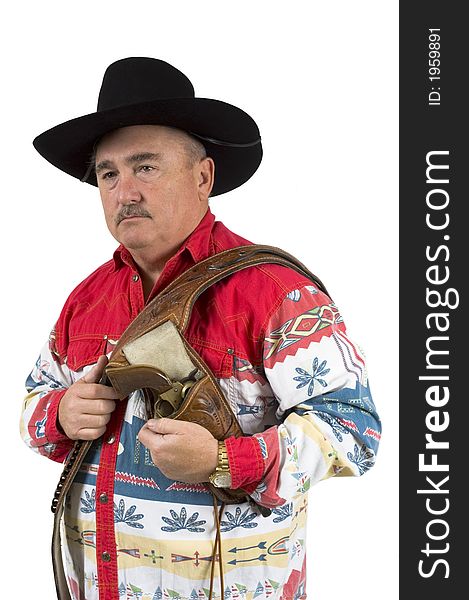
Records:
x=108, y=175
x=145, y=168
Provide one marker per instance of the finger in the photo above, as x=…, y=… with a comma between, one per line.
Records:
x=91, y=433
x=93, y=421
x=94, y=375
x=97, y=407
x=165, y=426
x=148, y=438
x=97, y=391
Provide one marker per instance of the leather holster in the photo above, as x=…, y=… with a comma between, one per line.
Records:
x=176, y=384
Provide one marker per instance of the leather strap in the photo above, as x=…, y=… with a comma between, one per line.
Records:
x=176, y=301
x=173, y=304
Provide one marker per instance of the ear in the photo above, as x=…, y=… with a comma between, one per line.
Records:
x=206, y=178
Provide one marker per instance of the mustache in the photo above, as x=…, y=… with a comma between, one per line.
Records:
x=131, y=210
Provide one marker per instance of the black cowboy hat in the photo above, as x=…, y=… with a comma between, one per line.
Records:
x=148, y=91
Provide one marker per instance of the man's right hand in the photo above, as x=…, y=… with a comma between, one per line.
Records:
x=86, y=407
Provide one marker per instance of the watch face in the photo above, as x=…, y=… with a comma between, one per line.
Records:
x=222, y=480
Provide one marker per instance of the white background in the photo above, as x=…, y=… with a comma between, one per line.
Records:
x=320, y=79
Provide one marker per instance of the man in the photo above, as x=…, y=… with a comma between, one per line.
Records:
x=139, y=519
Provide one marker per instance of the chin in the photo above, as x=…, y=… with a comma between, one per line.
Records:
x=134, y=238
x=134, y=244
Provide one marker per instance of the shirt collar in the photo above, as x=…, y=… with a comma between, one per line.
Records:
x=198, y=244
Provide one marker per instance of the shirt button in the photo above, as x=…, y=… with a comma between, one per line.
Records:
x=111, y=439
x=103, y=498
x=135, y=277
x=106, y=556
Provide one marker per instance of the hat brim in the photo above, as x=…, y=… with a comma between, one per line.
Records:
x=69, y=146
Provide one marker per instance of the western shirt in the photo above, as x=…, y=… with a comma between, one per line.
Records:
x=298, y=386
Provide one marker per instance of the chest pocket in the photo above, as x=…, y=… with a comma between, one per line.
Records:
x=85, y=350
x=218, y=357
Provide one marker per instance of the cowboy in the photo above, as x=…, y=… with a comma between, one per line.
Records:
x=139, y=520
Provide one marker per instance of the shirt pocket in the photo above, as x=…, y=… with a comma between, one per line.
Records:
x=85, y=349
x=218, y=358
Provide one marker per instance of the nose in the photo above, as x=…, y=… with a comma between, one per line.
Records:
x=127, y=189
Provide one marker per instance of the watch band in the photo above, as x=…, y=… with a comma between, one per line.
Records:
x=221, y=477
x=223, y=462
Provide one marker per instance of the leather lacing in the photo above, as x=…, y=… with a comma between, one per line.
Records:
x=217, y=549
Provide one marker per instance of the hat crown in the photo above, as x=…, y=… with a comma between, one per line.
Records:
x=137, y=79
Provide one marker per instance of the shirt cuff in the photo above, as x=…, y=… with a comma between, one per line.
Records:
x=246, y=462
x=54, y=433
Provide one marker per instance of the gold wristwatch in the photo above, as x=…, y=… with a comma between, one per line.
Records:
x=221, y=477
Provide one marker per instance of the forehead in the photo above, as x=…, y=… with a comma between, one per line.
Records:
x=141, y=137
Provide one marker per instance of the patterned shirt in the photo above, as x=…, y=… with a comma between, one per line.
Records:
x=298, y=386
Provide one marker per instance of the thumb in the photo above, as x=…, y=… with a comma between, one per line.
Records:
x=94, y=375
x=165, y=426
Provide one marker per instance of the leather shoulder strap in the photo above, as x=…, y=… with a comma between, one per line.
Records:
x=176, y=301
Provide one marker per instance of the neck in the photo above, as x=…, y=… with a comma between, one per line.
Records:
x=151, y=260
x=150, y=264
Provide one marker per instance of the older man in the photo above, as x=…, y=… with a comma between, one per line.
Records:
x=139, y=520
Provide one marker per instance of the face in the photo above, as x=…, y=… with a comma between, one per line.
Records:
x=153, y=193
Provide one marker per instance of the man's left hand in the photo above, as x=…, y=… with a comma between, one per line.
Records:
x=182, y=451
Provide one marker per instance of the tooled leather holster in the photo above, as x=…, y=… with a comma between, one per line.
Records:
x=154, y=356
